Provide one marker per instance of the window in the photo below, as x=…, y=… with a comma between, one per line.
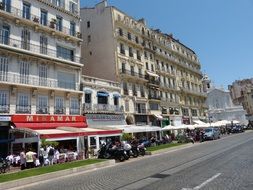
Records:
x=23, y=105
x=24, y=72
x=72, y=29
x=154, y=106
x=122, y=49
x=140, y=108
x=66, y=80
x=123, y=68
x=185, y=112
x=147, y=66
x=116, y=100
x=134, y=90
x=5, y=34
x=59, y=23
x=88, y=24
x=145, y=55
x=102, y=99
x=120, y=32
x=131, y=52
x=87, y=98
x=3, y=68
x=59, y=105
x=132, y=70
x=43, y=17
x=89, y=39
x=26, y=10
x=129, y=36
x=74, y=106
x=65, y=53
x=125, y=89
x=137, y=39
x=25, y=39
x=4, y=101
x=42, y=75
x=42, y=104
x=6, y=5
x=138, y=55
x=142, y=91
x=73, y=7
x=150, y=56
x=140, y=72
x=43, y=44
x=152, y=67
x=126, y=105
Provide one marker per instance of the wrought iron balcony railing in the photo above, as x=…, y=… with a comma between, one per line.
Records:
x=39, y=49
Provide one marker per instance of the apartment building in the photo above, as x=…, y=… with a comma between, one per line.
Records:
x=40, y=59
x=241, y=93
x=102, y=108
x=160, y=77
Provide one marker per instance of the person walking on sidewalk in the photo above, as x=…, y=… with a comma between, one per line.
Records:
x=22, y=159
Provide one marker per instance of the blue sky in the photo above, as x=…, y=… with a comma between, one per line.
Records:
x=219, y=31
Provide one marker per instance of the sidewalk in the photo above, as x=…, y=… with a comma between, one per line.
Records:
x=43, y=177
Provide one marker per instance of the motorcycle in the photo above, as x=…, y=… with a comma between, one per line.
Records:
x=109, y=151
x=141, y=148
x=130, y=149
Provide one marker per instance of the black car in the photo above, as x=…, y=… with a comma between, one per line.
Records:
x=237, y=129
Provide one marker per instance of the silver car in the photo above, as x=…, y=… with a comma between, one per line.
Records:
x=211, y=133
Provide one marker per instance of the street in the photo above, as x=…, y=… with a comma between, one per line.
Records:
x=221, y=164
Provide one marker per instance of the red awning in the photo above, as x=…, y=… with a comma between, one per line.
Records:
x=58, y=133
x=50, y=125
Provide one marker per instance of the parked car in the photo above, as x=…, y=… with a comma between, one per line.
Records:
x=237, y=129
x=211, y=133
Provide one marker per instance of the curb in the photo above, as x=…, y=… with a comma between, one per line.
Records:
x=171, y=149
x=48, y=176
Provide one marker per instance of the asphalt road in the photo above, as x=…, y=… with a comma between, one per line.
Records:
x=222, y=164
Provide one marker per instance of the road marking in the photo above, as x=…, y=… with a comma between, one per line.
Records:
x=204, y=183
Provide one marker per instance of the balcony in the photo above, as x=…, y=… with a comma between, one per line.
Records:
x=15, y=79
x=194, y=92
x=154, y=97
x=152, y=80
x=33, y=48
x=87, y=107
x=42, y=110
x=132, y=74
x=107, y=108
x=124, y=37
x=23, y=109
x=59, y=110
x=35, y=19
x=74, y=111
x=4, y=108
x=68, y=8
x=141, y=111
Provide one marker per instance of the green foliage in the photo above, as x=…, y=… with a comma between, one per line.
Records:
x=45, y=143
x=127, y=137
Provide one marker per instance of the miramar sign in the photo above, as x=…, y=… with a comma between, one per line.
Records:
x=46, y=118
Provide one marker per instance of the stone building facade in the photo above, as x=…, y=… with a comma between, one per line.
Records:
x=159, y=77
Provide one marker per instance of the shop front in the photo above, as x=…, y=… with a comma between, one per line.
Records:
x=29, y=130
x=5, y=139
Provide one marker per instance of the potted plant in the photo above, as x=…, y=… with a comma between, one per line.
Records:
x=79, y=34
x=52, y=23
x=36, y=19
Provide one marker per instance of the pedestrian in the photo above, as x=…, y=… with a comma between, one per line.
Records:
x=41, y=156
x=51, y=155
x=22, y=159
x=30, y=159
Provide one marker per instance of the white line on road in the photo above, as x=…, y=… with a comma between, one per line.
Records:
x=204, y=183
